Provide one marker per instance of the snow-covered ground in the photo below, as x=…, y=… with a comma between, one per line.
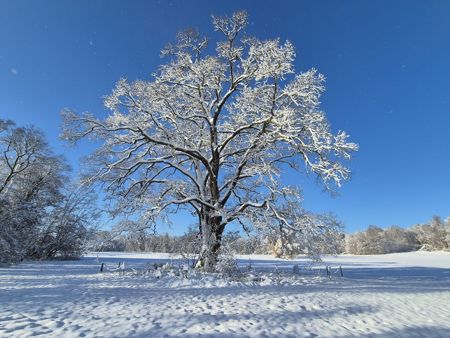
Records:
x=396, y=295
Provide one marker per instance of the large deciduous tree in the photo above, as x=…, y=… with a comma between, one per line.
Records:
x=213, y=131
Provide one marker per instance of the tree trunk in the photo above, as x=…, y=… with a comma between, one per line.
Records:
x=211, y=235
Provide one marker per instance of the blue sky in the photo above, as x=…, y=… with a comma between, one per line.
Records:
x=387, y=65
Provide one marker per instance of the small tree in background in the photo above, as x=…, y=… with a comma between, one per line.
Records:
x=213, y=133
x=432, y=235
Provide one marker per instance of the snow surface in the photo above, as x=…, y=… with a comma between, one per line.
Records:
x=395, y=295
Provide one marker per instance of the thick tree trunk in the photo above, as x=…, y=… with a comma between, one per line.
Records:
x=211, y=235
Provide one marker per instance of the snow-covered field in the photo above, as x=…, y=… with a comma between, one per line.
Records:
x=396, y=295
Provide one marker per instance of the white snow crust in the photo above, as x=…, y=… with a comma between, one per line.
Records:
x=395, y=295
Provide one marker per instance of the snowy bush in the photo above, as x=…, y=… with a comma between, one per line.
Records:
x=226, y=263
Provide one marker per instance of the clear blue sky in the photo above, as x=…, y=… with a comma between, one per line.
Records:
x=387, y=65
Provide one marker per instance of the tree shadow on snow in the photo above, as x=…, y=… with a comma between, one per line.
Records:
x=262, y=322
x=407, y=332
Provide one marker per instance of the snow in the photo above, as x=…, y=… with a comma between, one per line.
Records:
x=395, y=295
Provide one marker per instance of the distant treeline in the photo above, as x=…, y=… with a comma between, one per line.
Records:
x=433, y=235
x=188, y=243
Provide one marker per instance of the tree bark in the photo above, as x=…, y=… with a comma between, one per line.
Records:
x=211, y=235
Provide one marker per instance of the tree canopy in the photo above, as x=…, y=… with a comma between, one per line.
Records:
x=213, y=131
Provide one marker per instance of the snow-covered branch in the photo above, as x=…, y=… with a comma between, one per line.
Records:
x=215, y=132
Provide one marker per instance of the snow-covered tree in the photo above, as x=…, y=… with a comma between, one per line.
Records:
x=213, y=131
x=26, y=187
x=369, y=242
x=432, y=235
x=69, y=224
x=39, y=216
x=447, y=229
x=375, y=240
x=326, y=238
x=397, y=239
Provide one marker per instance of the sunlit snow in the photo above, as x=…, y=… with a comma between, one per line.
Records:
x=401, y=295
